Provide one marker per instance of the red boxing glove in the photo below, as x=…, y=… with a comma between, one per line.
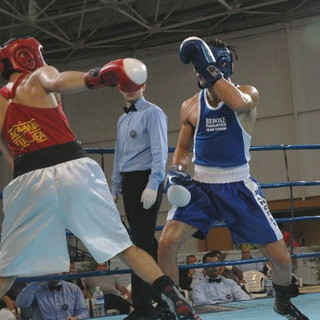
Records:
x=129, y=73
x=93, y=79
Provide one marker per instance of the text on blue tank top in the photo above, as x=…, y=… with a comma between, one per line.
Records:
x=220, y=141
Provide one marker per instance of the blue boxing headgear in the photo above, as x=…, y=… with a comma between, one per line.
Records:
x=224, y=60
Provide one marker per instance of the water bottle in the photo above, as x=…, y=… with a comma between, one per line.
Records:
x=268, y=285
x=301, y=239
x=98, y=303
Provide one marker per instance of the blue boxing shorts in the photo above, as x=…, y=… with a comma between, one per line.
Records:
x=241, y=205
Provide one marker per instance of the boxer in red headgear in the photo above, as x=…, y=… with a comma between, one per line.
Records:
x=56, y=186
x=20, y=55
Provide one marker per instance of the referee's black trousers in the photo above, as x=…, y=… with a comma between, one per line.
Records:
x=142, y=223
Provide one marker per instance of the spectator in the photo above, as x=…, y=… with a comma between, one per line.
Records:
x=288, y=238
x=188, y=278
x=112, y=290
x=77, y=281
x=215, y=288
x=246, y=255
x=229, y=272
x=233, y=273
x=8, y=302
x=267, y=269
x=56, y=300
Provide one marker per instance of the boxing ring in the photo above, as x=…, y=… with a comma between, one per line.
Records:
x=308, y=303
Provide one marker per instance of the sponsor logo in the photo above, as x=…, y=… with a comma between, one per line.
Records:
x=23, y=134
x=264, y=205
x=216, y=124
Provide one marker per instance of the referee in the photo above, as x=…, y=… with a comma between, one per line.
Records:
x=141, y=153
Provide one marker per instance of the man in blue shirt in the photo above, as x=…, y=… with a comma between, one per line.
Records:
x=56, y=300
x=246, y=255
x=215, y=288
x=140, y=158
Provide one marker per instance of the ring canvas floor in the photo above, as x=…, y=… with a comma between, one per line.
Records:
x=256, y=309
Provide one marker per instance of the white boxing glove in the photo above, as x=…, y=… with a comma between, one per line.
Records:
x=129, y=73
x=178, y=185
x=148, y=198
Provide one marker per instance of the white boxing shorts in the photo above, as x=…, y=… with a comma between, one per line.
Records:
x=40, y=205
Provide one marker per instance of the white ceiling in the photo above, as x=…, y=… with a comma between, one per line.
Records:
x=71, y=29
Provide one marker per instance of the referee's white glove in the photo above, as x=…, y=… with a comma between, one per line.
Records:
x=148, y=198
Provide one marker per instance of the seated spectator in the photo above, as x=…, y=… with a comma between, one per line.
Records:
x=215, y=288
x=55, y=300
x=78, y=281
x=229, y=272
x=112, y=290
x=288, y=238
x=188, y=278
x=246, y=255
x=8, y=303
x=232, y=272
x=267, y=269
x=185, y=277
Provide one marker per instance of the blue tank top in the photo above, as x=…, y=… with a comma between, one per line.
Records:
x=220, y=140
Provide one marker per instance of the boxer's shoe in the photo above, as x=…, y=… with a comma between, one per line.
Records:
x=164, y=312
x=179, y=308
x=5, y=284
x=134, y=316
x=284, y=307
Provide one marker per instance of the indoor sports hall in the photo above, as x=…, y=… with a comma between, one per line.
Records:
x=276, y=49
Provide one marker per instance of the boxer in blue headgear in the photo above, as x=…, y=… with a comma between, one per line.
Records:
x=217, y=124
x=223, y=56
x=217, y=57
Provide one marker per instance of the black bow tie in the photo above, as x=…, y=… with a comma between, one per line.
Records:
x=57, y=287
x=128, y=109
x=214, y=280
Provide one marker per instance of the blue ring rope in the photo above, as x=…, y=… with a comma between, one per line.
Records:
x=252, y=148
x=274, y=185
x=203, y=265
x=102, y=151
x=183, y=267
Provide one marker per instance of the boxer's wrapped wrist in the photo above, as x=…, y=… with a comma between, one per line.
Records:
x=92, y=78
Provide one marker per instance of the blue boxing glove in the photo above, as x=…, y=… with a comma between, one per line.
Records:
x=177, y=184
x=195, y=50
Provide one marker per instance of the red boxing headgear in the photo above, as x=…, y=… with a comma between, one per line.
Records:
x=21, y=55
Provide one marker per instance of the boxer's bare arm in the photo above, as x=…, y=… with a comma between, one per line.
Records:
x=243, y=100
x=43, y=87
x=6, y=153
x=188, y=120
x=3, y=146
x=54, y=81
x=239, y=99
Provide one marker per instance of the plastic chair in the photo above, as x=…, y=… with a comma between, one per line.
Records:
x=187, y=295
x=254, y=281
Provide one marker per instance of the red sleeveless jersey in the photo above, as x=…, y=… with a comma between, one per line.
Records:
x=27, y=129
